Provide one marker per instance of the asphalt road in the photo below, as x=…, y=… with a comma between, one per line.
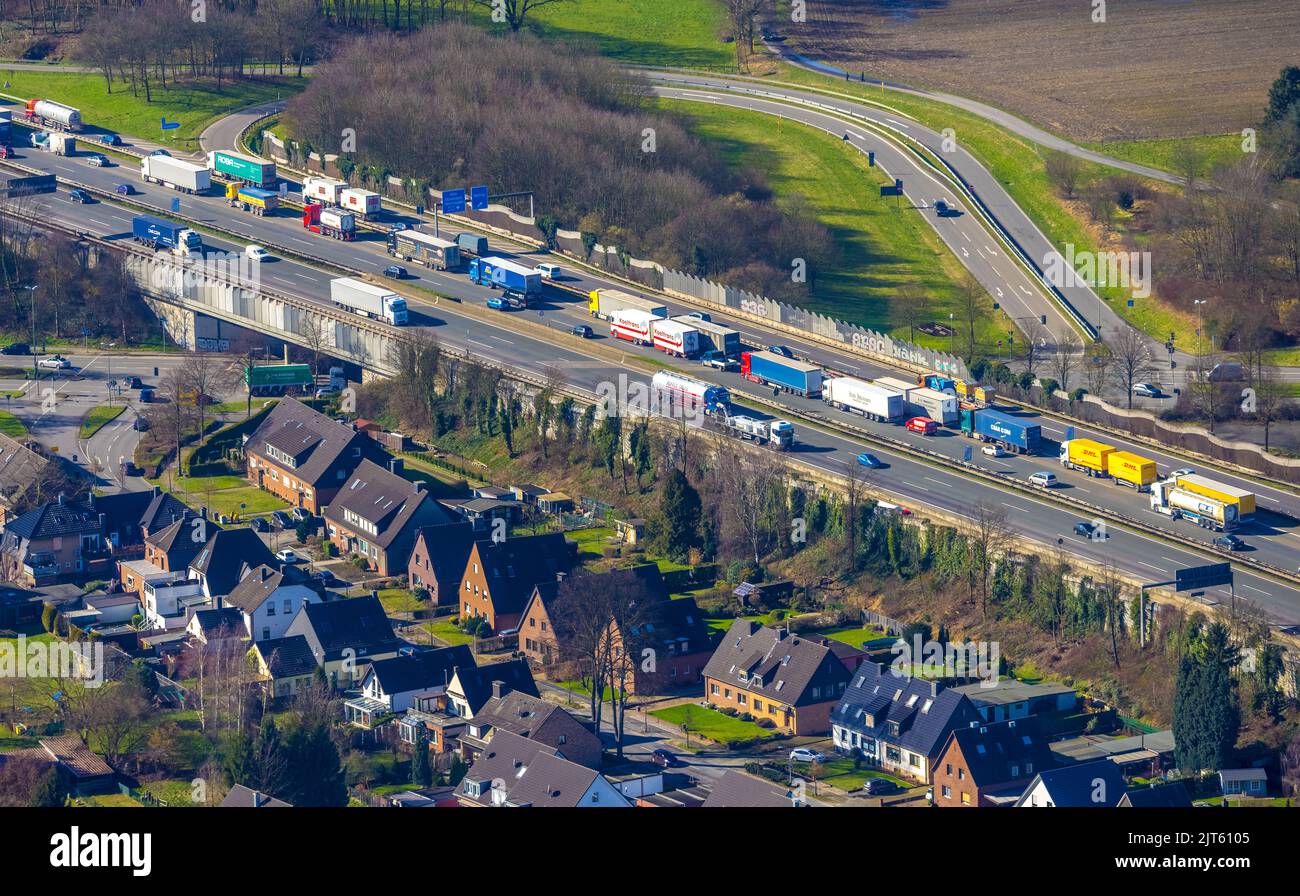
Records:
x=918, y=484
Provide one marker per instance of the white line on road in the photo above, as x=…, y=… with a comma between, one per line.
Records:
x=1253, y=588
x=1149, y=566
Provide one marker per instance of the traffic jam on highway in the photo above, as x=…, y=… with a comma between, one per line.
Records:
x=914, y=413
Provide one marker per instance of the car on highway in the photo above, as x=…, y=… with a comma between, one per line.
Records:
x=286, y=556
x=498, y=304
x=140, y=424
x=80, y=196
x=515, y=299
x=582, y=331
x=16, y=348
x=259, y=524
x=993, y=451
x=256, y=253
x=718, y=360
x=1043, y=479
x=803, y=754
x=54, y=362
x=124, y=189
x=923, y=425
x=945, y=209
x=886, y=507
x=281, y=520
x=781, y=350
x=110, y=139
x=1230, y=542
x=396, y=271
x=160, y=152
x=870, y=461
x=135, y=383
x=665, y=758
x=549, y=271
x=1088, y=530
x=1147, y=390
x=701, y=315
x=1185, y=471
x=399, y=227
x=98, y=160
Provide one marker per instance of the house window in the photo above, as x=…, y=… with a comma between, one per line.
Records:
x=946, y=791
x=713, y=689
x=742, y=699
x=288, y=605
x=965, y=798
x=563, y=739
x=532, y=622
x=270, y=608
x=961, y=774
x=266, y=634
x=758, y=704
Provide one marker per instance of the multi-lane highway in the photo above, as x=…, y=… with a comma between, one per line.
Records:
x=918, y=484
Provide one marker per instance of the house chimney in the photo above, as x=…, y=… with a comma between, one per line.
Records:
x=782, y=633
x=157, y=490
x=934, y=688
x=63, y=500
x=395, y=466
x=560, y=576
x=499, y=689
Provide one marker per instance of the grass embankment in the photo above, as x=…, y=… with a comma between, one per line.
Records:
x=882, y=245
x=12, y=426
x=194, y=104
x=99, y=417
x=1213, y=150
x=1020, y=166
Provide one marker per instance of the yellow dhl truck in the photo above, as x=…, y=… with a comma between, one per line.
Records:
x=1130, y=469
x=1086, y=456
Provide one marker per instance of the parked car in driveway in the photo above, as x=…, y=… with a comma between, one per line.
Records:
x=803, y=754
x=259, y=524
x=286, y=556
x=326, y=578
x=880, y=786
x=281, y=520
x=299, y=515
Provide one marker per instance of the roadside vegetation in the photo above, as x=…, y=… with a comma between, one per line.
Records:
x=98, y=417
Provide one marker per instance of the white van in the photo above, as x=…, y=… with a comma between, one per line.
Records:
x=1043, y=479
x=549, y=271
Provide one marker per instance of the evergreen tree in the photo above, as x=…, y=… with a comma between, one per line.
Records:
x=315, y=771
x=680, y=507
x=1283, y=95
x=1206, y=714
x=239, y=762
x=421, y=770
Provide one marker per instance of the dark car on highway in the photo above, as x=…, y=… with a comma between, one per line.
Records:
x=396, y=271
x=80, y=196
x=124, y=189
x=780, y=350
x=582, y=330
x=1230, y=543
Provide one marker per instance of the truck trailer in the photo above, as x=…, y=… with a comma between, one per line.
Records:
x=714, y=336
x=1011, y=433
x=777, y=434
x=60, y=144
x=472, y=244
x=424, y=248
x=902, y=387
x=365, y=203
x=175, y=173
x=605, y=303
x=938, y=406
x=633, y=325
x=1133, y=470
x=329, y=222
x=674, y=337
x=1174, y=501
x=505, y=274
x=245, y=169
x=785, y=374
x=50, y=114
x=252, y=199
x=679, y=395
x=1086, y=456
x=324, y=190
x=1219, y=491
x=159, y=234
x=859, y=397
x=374, y=302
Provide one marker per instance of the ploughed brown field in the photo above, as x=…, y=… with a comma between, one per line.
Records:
x=1155, y=68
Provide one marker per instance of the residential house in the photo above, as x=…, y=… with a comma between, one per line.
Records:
x=21, y=472
x=675, y=630
x=773, y=674
x=1084, y=785
x=1160, y=796
x=516, y=771
x=304, y=457
x=169, y=604
x=168, y=551
x=227, y=557
x=527, y=493
x=268, y=599
x=852, y=657
x=534, y=718
x=897, y=722
x=377, y=515
x=500, y=575
x=1146, y=755
x=241, y=797
x=210, y=625
x=482, y=513
x=472, y=687
x=396, y=681
x=346, y=636
x=285, y=665
x=989, y=763
x=1009, y=698
x=54, y=540
x=1243, y=782
x=737, y=790
x=438, y=560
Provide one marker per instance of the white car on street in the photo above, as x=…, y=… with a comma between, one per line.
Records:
x=256, y=253
x=803, y=754
x=993, y=451
x=54, y=362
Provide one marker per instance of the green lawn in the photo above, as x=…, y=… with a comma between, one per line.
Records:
x=590, y=542
x=224, y=494
x=882, y=244
x=1020, y=166
x=399, y=600
x=839, y=772
x=710, y=723
x=1214, y=149
x=447, y=632
x=194, y=104
x=12, y=426
x=97, y=417
x=855, y=636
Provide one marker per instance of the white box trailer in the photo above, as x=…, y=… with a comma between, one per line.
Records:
x=323, y=189
x=940, y=406
x=676, y=338
x=634, y=325
x=364, y=202
x=903, y=387
x=873, y=402
x=175, y=173
x=374, y=302
x=60, y=144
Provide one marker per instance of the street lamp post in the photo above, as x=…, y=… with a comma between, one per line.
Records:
x=36, y=372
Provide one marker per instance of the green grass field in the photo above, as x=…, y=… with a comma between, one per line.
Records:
x=855, y=636
x=1214, y=150
x=710, y=723
x=97, y=417
x=12, y=426
x=882, y=245
x=224, y=494
x=446, y=632
x=1021, y=168
x=194, y=104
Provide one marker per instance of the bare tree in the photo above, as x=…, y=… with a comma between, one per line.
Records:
x=318, y=332
x=1133, y=357
x=512, y=12
x=743, y=16
x=1064, y=170
x=990, y=540
x=751, y=480
x=1066, y=359
x=205, y=376
x=1270, y=396
x=910, y=308
x=1034, y=345
x=970, y=308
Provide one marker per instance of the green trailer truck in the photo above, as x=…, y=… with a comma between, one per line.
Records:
x=257, y=172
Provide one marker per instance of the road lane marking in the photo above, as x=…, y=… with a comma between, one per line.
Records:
x=1149, y=566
